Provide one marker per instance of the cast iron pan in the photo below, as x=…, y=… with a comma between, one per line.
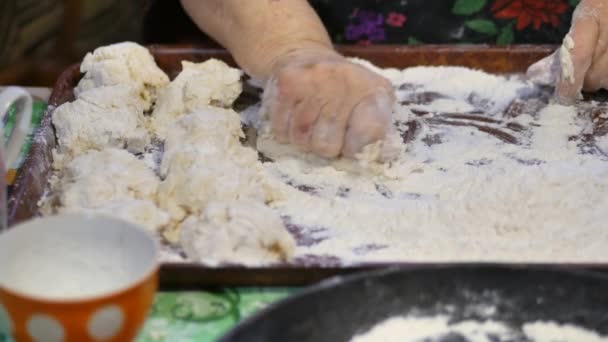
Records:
x=340, y=308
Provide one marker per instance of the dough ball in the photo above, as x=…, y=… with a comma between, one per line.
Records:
x=142, y=212
x=122, y=63
x=118, y=96
x=213, y=127
x=241, y=232
x=99, y=177
x=83, y=125
x=212, y=83
x=197, y=176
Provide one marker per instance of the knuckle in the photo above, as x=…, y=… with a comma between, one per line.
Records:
x=326, y=149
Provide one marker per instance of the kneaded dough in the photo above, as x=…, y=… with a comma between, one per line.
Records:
x=112, y=182
x=199, y=175
x=98, y=177
x=101, y=118
x=212, y=128
x=119, y=96
x=211, y=83
x=142, y=212
x=374, y=160
x=242, y=232
x=122, y=63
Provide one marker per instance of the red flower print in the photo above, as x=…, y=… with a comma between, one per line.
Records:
x=535, y=12
x=395, y=19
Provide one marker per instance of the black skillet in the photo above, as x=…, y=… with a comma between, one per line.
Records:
x=338, y=309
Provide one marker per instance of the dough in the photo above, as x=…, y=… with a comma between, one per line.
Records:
x=124, y=63
x=204, y=160
x=100, y=118
x=120, y=96
x=98, y=177
x=373, y=160
x=212, y=83
x=199, y=175
x=210, y=128
x=243, y=232
x=142, y=212
x=112, y=182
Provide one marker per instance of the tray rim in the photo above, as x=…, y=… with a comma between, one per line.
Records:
x=175, y=275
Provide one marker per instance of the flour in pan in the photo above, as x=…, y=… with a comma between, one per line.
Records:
x=480, y=184
x=480, y=168
x=440, y=328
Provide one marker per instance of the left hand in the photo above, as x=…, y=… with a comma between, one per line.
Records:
x=581, y=64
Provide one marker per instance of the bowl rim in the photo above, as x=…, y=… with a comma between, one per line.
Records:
x=141, y=278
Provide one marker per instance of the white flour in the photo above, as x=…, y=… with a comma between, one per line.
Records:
x=553, y=332
x=458, y=193
x=74, y=271
x=470, y=183
x=439, y=328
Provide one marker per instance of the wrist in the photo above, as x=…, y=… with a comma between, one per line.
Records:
x=269, y=58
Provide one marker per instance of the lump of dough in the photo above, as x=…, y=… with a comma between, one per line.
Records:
x=142, y=212
x=100, y=118
x=241, y=232
x=197, y=176
x=212, y=83
x=122, y=63
x=115, y=97
x=212, y=127
x=99, y=177
x=112, y=182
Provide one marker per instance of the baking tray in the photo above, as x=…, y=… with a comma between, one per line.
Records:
x=32, y=181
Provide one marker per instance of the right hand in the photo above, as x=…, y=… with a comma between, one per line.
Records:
x=322, y=103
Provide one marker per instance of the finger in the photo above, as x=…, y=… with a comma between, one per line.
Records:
x=576, y=55
x=545, y=71
x=280, y=117
x=330, y=128
x=597, y=77
x=368, y=123
x=302, y=122
x=282, y=102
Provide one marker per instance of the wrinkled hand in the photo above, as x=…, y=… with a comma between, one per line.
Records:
x=582, y=61
x=322, y=103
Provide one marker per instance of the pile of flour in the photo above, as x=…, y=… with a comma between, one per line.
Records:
x=458, y=193
x=439, y=328
x=484, y=170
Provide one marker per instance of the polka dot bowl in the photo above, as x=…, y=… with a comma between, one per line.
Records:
x=76, y=278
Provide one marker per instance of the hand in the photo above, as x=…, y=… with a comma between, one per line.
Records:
x=322, y=103
x=582, y=61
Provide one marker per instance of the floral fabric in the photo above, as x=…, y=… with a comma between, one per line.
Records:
x=367, y=22
x=446, y=21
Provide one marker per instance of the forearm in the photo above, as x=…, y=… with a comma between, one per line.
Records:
x=259, y=32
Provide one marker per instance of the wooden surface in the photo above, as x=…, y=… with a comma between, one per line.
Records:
x=32, y=183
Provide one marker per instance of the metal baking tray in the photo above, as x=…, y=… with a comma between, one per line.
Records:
x=32, y=180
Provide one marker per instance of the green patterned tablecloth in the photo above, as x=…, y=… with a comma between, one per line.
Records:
x=204, y=316
x=201, y=316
